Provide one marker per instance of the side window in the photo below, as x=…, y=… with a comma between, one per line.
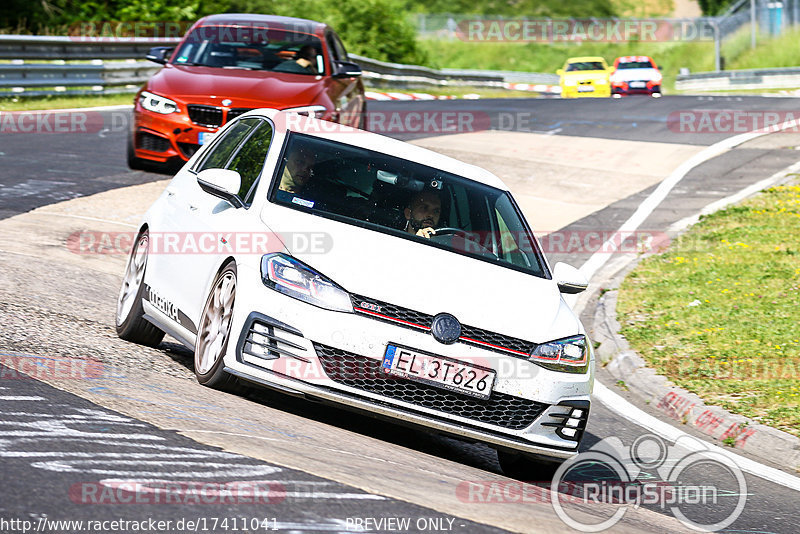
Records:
x=220, y=153
x=332, y=51
x=249, y=161
x=341, y=53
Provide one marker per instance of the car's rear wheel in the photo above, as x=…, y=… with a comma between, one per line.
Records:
x=525, y=467
x=214, y=332
x=130, y=322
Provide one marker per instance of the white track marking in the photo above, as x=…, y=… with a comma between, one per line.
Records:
x=20, y=398
x=630, y=412
x=649, y=205
x=85, y=218
x=733, y=199
x=618, y=404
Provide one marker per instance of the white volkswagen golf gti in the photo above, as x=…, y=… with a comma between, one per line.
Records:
x=350, y=268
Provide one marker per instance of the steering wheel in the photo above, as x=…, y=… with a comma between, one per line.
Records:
x=447, y=230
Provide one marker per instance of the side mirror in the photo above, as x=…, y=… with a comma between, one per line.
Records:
x=222, y=183
x=560, y=72
x=570, y=280
x=159, y=54
x=345, y=69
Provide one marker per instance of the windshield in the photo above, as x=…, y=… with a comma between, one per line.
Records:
x=585, y=65
x=635, y=65
x=400, y=197
x=252, y=48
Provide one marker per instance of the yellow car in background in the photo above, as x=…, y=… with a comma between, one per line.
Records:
x=584, y=76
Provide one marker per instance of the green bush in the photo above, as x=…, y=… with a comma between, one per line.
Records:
x=375, y=28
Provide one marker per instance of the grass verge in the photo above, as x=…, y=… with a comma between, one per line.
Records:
x=19, y=103
x=717, y=312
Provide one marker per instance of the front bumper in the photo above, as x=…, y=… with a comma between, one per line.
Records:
x=626, y=89
x=162, y=138
x=585, y=91
x=336, y=358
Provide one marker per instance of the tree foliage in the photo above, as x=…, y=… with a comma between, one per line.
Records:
x=375, y=28
x=714, y=7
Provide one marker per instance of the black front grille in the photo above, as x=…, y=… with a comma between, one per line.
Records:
x=188, y=149
x=362, y=373
x=151, y=142
x=405, y=317
x=235, y=112
x=209, y=116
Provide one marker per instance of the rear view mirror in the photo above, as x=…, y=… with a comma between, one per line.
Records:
x=159, y=54
x=570, y=280
x=560, y=72
x=222, y=183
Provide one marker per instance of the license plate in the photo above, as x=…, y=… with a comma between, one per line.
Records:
x=637, y=85
x=205, y=137
x=438, y=371
x=585, y=89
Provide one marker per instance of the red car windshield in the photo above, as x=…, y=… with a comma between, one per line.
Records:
x=252, y=48
x=635, y=65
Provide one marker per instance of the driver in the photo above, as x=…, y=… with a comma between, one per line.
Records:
x=423, y=212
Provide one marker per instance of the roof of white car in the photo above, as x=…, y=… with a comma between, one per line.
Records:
x=379, y=143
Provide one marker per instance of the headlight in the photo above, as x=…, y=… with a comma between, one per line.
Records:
x=157, y=104
x=570, y=355
x=570, y=83
x=296, y=279
x=316, y=112
x=601, y=81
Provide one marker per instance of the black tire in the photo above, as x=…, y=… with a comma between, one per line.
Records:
x=130, y=322
x=212, y=373
x=137, y=164
x=527, y=468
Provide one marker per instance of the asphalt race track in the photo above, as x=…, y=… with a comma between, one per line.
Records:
x=65, y=455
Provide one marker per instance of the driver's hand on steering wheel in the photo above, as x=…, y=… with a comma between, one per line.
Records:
x=426, y=232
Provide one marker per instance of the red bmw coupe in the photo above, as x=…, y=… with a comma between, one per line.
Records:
x=227, y=65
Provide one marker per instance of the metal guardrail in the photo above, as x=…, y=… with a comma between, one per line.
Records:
x=99, y=76
x=777, y=78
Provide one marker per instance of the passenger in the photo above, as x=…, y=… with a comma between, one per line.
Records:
x=298, y=172
x=423, y=213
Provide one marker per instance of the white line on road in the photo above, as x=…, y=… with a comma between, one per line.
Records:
x=20, y=398
x=630, y=412
x=618, y=404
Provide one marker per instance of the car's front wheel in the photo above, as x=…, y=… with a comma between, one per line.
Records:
x=214, y=332
x=130, y=322
x=134, y=162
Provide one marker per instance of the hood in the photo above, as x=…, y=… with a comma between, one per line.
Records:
x=423, y=278
x=247, y=88
x=626, y=75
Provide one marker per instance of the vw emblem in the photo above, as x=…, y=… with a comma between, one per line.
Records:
x=445, y=328
x=227, y=102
